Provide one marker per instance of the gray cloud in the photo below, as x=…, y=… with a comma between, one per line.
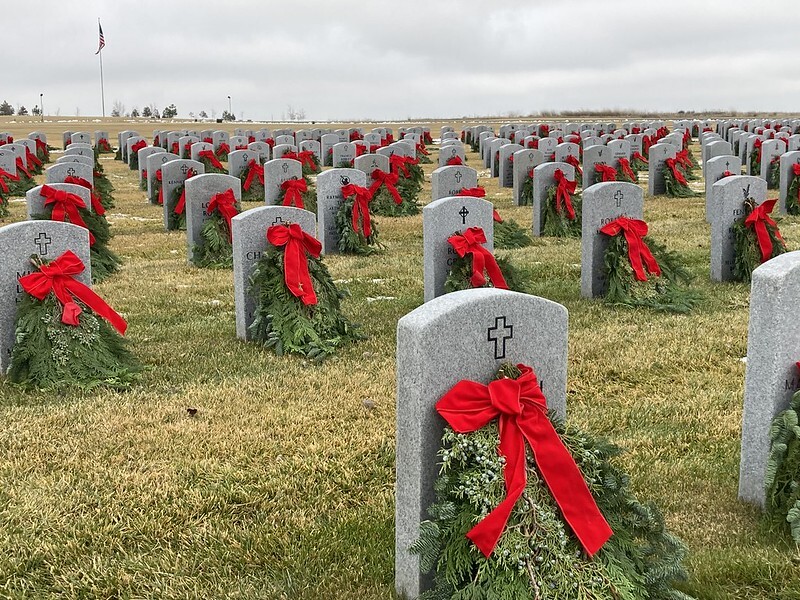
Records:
x=393, y=60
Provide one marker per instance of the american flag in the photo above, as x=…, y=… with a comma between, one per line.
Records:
x=102, y=39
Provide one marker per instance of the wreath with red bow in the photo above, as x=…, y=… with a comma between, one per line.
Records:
x=756, y=239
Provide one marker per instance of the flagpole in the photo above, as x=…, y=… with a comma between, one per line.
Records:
x=102, y=85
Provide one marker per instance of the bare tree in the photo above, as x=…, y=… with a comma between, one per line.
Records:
x=118, y=109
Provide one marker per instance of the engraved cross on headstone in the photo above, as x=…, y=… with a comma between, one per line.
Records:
x=458, y=176
x=42, y=241
x=499, y=334
x=285, y=167
x=463, y=214
x=184, y=168
x=619, y=196
x=71, y=172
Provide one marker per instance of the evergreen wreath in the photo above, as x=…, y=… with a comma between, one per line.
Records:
x=748, y=251
x=103, y=147
x=625, y=172
x=663, y=290
x=675, y=182
x=537, y=556
x=24, y=181
x=143, y=183
x=43, y=151
x=210, y=162
x=51, y=354
x=215, y=250
x=638, y=162
x=508, y=234
x=284, y=323
x=782, y=479
x=774, y=173
x=526, y=192
x=157, y=196
x=576, y=164
x=387, y=199
x=4, y=211
x=793, y=195
x=463, y=276
x=362, y=240
x=252, y=178
x=755, y=158
x=556, y=220
x=177, y=213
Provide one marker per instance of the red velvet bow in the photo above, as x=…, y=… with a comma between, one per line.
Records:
x=647, y=141
x=758, y=221
x=6, y=175
x=454, y=161
x=254, y=170
x=576, y=164
x=58, y=277
x=757, y=149
x=103, y=144
x=672, y=165
x=270, y=142
x=208, y=140
x=21, y=167
x=638, y=156
x=97, y=205
x=683, y=158
x=387, y=180
x=157, y=141
x=223, y=149
x=32, y=158
x=225, y=204
x=241, y=147
x=181, y=205
x=355, y=136
x=625, y=167
x=564, y=192
x=65, y=205
x=496, y=216
x=521, y=409
x=251, y=139
x=638, y=252
x=361, y=150
x=159, y=179
x=138, y=146
x=476, y=192
x=295, y=264
x=293, y=192
x=362, y=198
x=421, y=149
x=607, y=172
x=726, y=174
x=42, y=145
x=176, y=148
x=211, y=158
x=470, y=242
x=636, y=130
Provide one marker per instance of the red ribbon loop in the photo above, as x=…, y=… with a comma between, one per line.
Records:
x=32, y=158
x=387, y=180
x=576, y=164
x=362, y=198
x=758, y=221
x=521, y=409
x=159, y=177
x=223, y=148
x=293, y=192
x=138, y=146
x=225, y=204
x=454, y=161
x=638, y=252
x=97, y=205
x=65, y=205
x=211, y=158
x=564, y=192
x=683, y=158
x=21, y=167
x=607, y=172
x=476, y=192
x=471, y=242
x=295, y=263
x=254, y=170
x=625, y=167
x=58, y=277
x=672, y=165
x=638, y=156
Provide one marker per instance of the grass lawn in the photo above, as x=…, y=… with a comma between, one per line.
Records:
x=281, y=485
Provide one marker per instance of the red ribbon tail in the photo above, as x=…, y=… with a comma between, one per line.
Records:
x=98, y=305
x=493, y=269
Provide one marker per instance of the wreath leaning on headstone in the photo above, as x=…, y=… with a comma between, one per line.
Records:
x=782, y=479
x=526, y=191
x=253, y=184
x=475, y=267
x=298, y=304
x=641, y=272
x=358, y=233
x=545, y=510
x=66, y=335
x=774, y=173
x=215, y=249
x=756, y=238
x=793, y=194
x=561, y=212
x=675, y=182
x=386, y=198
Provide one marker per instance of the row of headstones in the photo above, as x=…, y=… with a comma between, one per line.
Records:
x=495, y=326
x=11, y=151
x=750, y=125
x=560, y=129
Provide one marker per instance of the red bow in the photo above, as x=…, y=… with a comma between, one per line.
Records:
x=32, y=158
x=208, y=140
x=97, y=205
x=306, y=157
x=470, y=242
x=241, y=147
x=636, y=130
x=362, y=197
x=564, y=191
x=454, y=161
x=211, y=158
x=270, y=142
x=647, y=141
x=160, y=188
x=157, y=141
x=387, y=180
x=138, y=146
x=65, y=204
x=103, y=144
x=399, y=164
x=683, y=158
x=726, y=174
x=181, y=205
x=576, y=164
x=251, y=139
x=58, y=277
x=355, y=136
x=361, y=150
x=225, y=204
x=476, y=192
x=224, y=148
x=176, y=148
x=496, y=216
x=757, y=149
x=293, y=192
x=758, y=221
x=638, y=251
x=638, y=156
x=6, y=175
x=521, y=409
x=672, y=165
x=295, y=264
x=421, y=149
x=21, y=167
x=607, y=172
x=625, y=167
x=254, y=170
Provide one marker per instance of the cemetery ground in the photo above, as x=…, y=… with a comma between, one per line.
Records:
x=281, y=484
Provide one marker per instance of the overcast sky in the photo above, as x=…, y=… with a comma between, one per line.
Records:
x=381, y=59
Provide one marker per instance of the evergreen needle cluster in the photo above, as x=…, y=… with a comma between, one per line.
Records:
x=782, y=480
